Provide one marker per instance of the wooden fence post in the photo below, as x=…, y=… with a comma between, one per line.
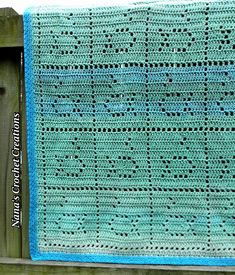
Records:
x=11, y=42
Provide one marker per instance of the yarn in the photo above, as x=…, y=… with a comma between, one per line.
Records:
x=131, y=133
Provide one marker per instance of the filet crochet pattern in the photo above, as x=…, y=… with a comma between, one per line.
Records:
x=131, y=133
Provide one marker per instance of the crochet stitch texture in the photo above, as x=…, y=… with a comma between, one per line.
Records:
x=131, y=132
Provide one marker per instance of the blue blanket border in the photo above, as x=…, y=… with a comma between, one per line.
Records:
x=31, y=145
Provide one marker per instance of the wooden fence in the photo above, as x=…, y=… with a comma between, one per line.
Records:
x=14, y=243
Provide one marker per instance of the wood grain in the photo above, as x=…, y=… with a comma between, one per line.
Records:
x=11, y=32
x=10, y=237
x=42, y=267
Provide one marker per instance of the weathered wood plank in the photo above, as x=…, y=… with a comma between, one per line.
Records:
x=29, y=270
x=48, y=265
x=11, y=33
x=10, y=237
x=25, y=178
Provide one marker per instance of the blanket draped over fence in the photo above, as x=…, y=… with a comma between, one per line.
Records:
x=131, y=132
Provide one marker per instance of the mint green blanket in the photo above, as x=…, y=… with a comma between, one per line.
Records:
x=131, y=133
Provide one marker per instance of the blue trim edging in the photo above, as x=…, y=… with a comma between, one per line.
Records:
x=160, y=260
x=30, y=119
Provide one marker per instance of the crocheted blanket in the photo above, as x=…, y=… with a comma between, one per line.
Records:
x=131, y=133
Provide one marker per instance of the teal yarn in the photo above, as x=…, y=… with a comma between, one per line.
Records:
x=131, y=133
